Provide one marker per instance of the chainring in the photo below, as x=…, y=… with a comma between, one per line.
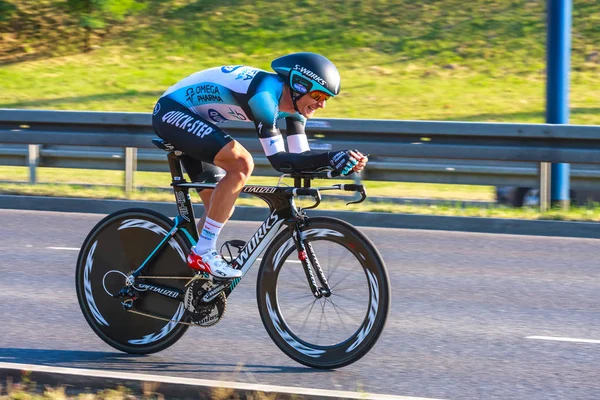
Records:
x=201, y=313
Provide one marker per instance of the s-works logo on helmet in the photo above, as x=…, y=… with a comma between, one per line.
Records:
x=310, y=74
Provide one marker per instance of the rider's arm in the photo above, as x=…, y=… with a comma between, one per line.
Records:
x=295, y=134
x=288, y=162
x=264, y=106
x=272, y=142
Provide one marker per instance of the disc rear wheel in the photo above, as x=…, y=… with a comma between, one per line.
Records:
x=117, y=246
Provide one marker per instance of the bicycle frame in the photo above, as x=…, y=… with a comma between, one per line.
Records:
x=282, y=211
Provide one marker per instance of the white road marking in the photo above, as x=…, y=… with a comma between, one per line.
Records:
x=195, y=386
x=564, y=339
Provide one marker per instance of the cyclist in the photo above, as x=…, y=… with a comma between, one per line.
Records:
x=187, y=115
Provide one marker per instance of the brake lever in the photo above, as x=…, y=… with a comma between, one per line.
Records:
x=355, y=188
x=317, y=201
x=363, y=196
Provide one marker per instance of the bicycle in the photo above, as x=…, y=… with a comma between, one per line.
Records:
x=138, y=294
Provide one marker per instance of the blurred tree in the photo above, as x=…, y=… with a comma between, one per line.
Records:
x=7, y=10
x=101, y=14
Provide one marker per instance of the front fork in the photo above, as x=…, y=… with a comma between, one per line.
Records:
x=306, y=255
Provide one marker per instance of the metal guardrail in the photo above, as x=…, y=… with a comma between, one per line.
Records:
x=386, y=140
x=468, y=172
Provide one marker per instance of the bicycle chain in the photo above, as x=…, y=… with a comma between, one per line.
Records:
x=162, y=318
x=165, y=277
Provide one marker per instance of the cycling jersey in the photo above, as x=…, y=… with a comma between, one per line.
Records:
x=242, y=93
x=188, y=113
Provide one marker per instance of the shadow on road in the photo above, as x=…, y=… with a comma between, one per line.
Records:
x=148, y=364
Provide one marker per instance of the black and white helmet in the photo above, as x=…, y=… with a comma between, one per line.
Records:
x=308, y=72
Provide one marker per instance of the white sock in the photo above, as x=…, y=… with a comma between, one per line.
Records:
x=208, y=236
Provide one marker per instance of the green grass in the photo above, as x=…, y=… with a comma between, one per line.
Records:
x=446, y=60
x=378, y=88
x=75, y=183
x=482, y=60
x=26, y=389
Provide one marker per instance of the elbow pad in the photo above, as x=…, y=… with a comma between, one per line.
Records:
x=293, y=162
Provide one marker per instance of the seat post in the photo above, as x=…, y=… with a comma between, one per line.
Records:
x=301, y=181
x=175, y=167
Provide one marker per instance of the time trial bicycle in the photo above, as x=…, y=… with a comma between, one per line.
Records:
x=323, y=291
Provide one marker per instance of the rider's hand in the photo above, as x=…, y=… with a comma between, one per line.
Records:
x=347, y=161
x=361, y=158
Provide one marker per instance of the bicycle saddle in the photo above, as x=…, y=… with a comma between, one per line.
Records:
x=163, y=144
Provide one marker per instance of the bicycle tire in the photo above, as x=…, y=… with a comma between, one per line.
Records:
x=116, y=246
x=279, y=323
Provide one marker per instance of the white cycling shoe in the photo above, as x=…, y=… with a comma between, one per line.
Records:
x=212, y=263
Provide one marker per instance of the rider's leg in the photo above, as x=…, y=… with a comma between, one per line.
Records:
x=238, y=164
x=204, y=141
x=205, y=196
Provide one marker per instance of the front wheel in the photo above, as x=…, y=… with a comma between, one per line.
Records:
x=327, y=332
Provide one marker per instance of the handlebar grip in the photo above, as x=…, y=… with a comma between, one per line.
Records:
x=352, y=187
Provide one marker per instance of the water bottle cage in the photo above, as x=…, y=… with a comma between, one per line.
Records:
x=228, y=245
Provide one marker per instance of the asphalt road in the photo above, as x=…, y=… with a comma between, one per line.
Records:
x=465, y=307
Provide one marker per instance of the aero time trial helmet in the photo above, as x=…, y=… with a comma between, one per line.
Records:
x=308, y=73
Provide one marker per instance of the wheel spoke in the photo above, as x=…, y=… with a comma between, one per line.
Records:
x=337, y=284
x=323, y=304
x=300, y=296
x=337, y=290
x=343, y=257
x=337, y=312
x=343, y=296
x=342, y=310
x=299, y=277
x=308, y=314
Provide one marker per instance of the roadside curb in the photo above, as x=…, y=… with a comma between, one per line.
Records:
x=374, y=219
x=169, y=387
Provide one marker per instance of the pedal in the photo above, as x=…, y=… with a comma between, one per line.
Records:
x=127, y=304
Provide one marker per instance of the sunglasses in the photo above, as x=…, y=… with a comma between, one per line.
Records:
x=319, y=95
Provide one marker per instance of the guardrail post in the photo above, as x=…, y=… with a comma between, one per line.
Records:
x=130, y=168
x=33, y=159
x=545, y=183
